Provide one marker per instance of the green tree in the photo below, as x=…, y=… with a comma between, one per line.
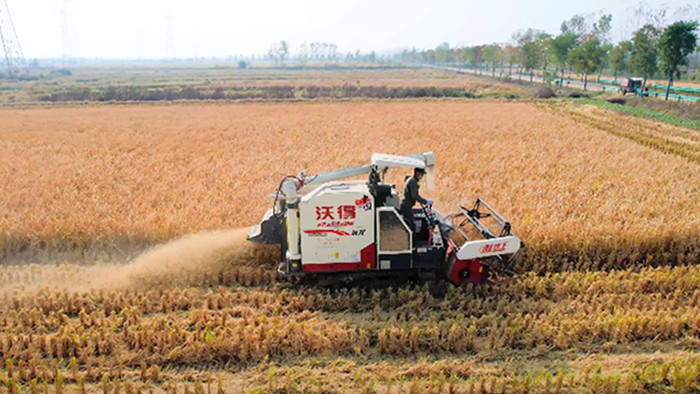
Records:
x=587, y=58
x=529, y=57
x=560, y=47
x=512, y=54
x=645, y=52
x=618, y=56
x=544, y=42
x=442, y=53
x=530, y=50
x=601, y=29
x=577, y=25
x=462, y=55
x=675, y=44
x=491, y=54
x=478, y=56
x=517, y=50
x=472, y=55
x=606, y=57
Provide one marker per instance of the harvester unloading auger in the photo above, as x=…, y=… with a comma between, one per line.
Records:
x=355, y=228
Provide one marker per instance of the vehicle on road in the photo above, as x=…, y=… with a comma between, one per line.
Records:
x=631, y=85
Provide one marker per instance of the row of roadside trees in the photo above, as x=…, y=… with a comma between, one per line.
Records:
x=582, y=46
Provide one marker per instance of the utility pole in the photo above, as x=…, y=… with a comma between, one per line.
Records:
x=14, y=59
x=169, y=41
x=66, y=52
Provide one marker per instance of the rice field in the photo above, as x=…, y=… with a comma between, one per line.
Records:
x=608, y=301
x=119, y=176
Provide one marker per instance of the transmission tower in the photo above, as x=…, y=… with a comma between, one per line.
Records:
x=67, y=53
x=169, y=42
x=14, y=59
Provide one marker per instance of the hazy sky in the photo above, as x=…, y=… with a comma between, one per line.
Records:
x=162, y=28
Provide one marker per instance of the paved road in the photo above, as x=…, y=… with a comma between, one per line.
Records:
x=574, y=83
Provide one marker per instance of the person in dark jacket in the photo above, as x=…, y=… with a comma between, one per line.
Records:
x=411, y=195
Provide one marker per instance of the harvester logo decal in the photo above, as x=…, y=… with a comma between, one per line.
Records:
x=323, y=213
x=364, y=203
x=342, y=212
x=493, y=248
x=332, y=216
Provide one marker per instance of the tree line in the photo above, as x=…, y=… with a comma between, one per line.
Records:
x=280, y=52
x=583, y=45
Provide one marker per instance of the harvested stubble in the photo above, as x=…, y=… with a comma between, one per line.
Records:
x=215, y=83
x=142, y=335
x=395, y=78
x=676, y=140
x=82, y=177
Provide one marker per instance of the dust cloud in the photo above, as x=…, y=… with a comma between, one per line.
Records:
x=198, y=259
x=203, y=259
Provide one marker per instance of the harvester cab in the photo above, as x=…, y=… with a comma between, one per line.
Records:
x=326, y=227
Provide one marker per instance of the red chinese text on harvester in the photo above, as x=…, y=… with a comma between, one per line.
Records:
x=493, y=248
x=331, y=216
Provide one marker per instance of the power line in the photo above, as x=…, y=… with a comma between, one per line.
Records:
x=14, y=59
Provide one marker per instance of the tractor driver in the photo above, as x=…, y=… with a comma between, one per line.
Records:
x=410, y=196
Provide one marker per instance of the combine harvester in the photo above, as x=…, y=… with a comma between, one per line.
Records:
x=354, y=229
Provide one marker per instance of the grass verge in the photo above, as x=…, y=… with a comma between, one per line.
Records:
x=647, y=113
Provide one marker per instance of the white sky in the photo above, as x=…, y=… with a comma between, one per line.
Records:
x=162, y=28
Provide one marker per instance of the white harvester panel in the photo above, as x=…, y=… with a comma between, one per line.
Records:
x=489, y=247
x=337, y=228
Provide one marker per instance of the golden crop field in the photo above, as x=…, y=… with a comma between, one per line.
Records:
x=609, y=300
x=80, y=177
